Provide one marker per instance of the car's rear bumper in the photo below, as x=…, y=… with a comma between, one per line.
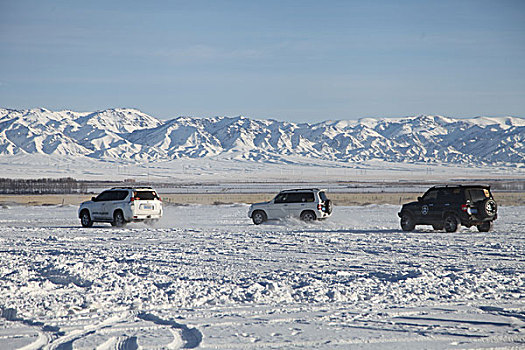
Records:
x=322, y=214
x=472, y=220
x=142, y=217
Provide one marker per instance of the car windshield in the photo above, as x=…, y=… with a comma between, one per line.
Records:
x=145, y=195
x=323, y=197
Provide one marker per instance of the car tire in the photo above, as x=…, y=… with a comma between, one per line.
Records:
x=85, y=219
x=258, y=217
x=485, y=226
x=308, y=216
x=118, y=219
x=487, y=208
x=451, y=223
x=407, y=222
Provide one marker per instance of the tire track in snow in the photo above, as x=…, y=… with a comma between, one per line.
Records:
x=66, y=341
x=119, y=343
x=43, y=338
x=191, y=337
x=183, y=336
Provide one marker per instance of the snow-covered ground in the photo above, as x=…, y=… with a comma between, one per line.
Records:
x=213, y=171
x=207, y=277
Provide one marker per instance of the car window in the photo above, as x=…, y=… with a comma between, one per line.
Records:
x=112, y=196
x=307, y=197
x=119, y=195
x=430, y=195
x=104, y=196
x=450, y=195
x=478, y=194
x=295, y=198
x=281, y=198
x=443, y=193
x=323, y=197
x=145, y=195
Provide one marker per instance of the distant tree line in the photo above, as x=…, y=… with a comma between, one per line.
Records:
x=41, y=186
x=516, y=185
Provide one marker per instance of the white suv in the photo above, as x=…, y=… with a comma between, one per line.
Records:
x=307, y=204
x=121, y=205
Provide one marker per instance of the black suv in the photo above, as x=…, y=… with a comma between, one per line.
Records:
x=449, y=207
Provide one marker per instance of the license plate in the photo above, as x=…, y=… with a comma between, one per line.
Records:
x=146, y=207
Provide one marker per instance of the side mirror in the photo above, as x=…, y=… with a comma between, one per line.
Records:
x=419, y=199
x=93, y=199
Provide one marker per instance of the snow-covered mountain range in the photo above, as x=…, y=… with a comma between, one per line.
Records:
x=130, y=135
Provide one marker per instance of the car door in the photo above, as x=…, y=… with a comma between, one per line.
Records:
x=427, y=207
x=115, y=201
x=276, y=209
x=290, y=204
x=108, y=205
x=447, y=199
x=300, y=202
x=99, y=207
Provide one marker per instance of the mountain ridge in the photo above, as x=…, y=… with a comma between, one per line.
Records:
x=123, y=134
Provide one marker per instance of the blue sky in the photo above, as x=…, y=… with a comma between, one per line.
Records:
x=286, y=60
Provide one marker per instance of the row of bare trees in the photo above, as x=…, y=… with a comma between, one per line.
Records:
x=41, y=186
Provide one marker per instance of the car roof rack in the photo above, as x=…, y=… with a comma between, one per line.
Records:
x=458, y=186
x=301, y=189
x=131, y=188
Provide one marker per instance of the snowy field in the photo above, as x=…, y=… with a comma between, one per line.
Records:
x=218, y=170
x=206, y=277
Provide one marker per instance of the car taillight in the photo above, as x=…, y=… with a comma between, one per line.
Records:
x=464, y=207
x=319, y=207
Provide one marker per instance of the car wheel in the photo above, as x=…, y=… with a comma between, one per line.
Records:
x=451, y=223
x=85, y=219
x=486, y=226
x=488, y=208
x=308, y=216
x=407, y=222
x=118, y=219
x=258, y=217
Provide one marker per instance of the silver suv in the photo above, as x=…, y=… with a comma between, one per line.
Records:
x=307, y=204
x=121, y=205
